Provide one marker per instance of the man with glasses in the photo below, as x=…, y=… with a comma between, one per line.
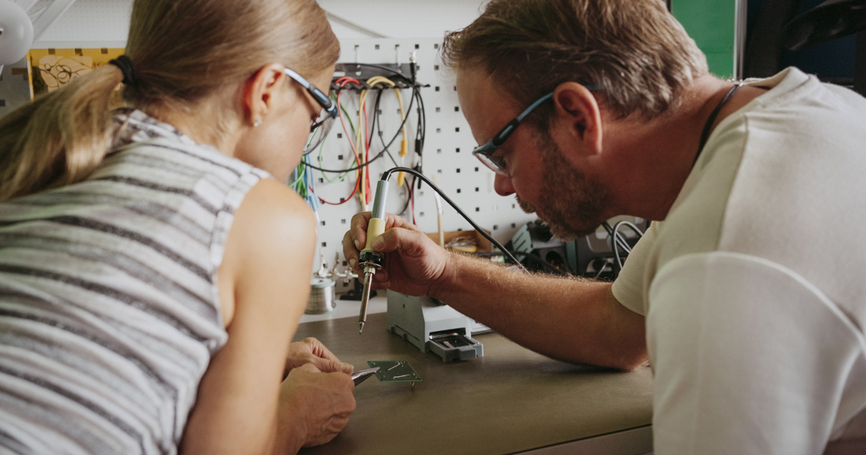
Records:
x=745, y=295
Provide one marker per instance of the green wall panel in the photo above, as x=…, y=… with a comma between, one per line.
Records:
x=712, y=25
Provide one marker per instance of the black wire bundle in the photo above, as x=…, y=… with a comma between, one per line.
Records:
x=422, y=126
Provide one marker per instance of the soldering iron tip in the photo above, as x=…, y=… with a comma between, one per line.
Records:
x=361, y=327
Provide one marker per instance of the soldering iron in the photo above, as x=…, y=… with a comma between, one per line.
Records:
x=371, y=261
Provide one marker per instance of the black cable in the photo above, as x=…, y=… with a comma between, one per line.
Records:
x=387, y=174
x=613, y=236
x=408, y=194
x=392, y=70
x=399, y=130
x=378, y=127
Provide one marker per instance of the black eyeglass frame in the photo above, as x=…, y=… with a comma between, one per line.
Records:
x=323, y=99
x=329, y=107
x=485, y=152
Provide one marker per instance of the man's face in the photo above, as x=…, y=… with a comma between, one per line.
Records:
x=544, y=182
x=572, y=203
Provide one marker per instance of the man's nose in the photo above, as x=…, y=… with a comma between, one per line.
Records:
x=502, y=185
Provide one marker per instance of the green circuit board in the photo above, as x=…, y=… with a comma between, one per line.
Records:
x=394, y=371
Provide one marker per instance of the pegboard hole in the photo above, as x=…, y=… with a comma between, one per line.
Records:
x=340, y=157
x=458, y=170
x=421, y=214
x=339, y=135
x=417, y=46
x=456, y=108
x=321, y=180
x=477, y=189
x=457, y=149
x=438, y=109
x=324, y=244
x=513, y=225
x=435, y=67
x=377, y=47
x=457, y=130
x=438, y=150
x=477, y=209
x=458, y=190
x=495, y=227
x=438, y=130
x=343, y=221
x=323, y=222
x=437, y=88
x=476, y=169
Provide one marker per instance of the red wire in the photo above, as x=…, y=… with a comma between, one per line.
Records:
x=342, y=83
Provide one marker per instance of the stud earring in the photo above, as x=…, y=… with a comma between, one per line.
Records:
x=257, y=122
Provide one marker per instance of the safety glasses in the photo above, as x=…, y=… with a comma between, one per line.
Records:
x=321, y=126
x=486, y=153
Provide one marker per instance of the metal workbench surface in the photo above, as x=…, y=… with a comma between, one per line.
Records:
x=511, y=400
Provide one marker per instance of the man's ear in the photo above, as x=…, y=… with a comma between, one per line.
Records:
x=260, y=91
x=578, y=118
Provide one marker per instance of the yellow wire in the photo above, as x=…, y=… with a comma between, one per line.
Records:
x=404, y=143
x=360, y=145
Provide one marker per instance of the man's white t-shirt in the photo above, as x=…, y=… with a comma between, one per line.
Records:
x=754, y=286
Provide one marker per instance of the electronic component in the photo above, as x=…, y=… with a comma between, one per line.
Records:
x=394, y=371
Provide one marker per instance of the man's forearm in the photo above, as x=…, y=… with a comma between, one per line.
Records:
x=575, y=320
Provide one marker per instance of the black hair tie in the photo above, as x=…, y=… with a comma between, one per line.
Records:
x=125, y=64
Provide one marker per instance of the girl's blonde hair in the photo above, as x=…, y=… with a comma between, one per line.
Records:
x=183, y=52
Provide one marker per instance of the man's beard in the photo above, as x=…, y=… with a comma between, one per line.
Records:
x=571, y=203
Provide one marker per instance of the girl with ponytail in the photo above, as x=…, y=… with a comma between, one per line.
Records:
x=153, y=269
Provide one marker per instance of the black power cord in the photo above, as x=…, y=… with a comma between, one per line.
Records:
x=387, y=174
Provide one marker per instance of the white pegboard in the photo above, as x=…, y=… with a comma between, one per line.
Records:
x=447, y=154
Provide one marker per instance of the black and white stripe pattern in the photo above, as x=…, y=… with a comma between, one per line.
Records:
x=109, y=312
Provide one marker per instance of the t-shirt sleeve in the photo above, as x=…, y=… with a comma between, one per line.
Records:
x=748, y=358
x=628, y=286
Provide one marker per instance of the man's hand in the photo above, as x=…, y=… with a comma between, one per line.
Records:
x=414, y=264
x=315, y=406
x=311, y=350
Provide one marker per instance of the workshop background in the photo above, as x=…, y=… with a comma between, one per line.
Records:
x=386, y=36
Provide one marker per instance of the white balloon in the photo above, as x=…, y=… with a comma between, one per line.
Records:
x=16, y=33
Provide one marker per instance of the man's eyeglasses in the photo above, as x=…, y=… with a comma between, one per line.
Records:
x=485, y=153
x=320, y=127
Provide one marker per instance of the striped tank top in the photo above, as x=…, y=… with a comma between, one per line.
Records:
x=109, y=311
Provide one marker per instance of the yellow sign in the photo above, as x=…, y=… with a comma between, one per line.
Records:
x=50, y=69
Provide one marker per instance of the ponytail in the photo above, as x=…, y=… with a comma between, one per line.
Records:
x=184, y=52
x=60, y=138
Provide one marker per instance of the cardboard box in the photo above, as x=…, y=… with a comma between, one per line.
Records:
x=481, y=243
